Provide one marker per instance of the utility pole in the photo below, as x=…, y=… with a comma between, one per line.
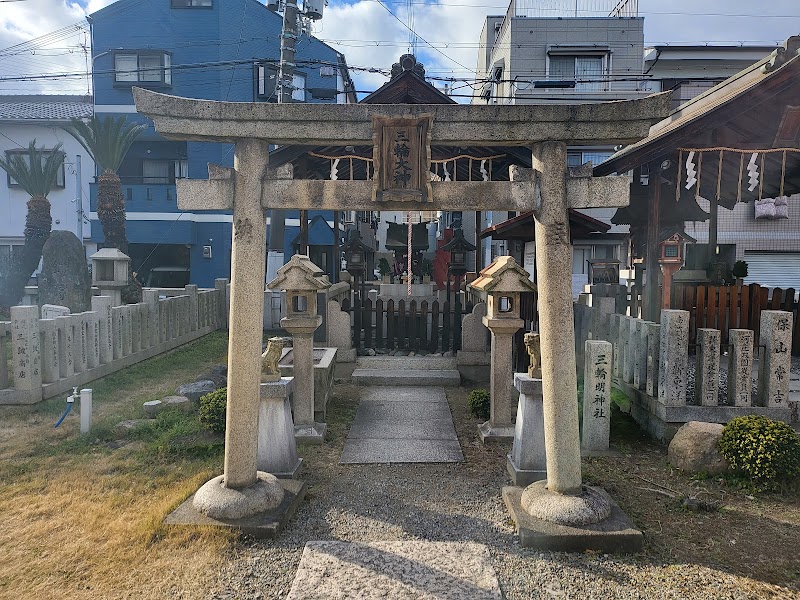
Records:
x=79, y=199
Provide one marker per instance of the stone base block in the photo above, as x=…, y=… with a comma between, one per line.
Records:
x=345, y=355
x=264, y=525
x=303, y=434
x=614, y=534
x=523, y=477
x=290, y=474
x=492, y=433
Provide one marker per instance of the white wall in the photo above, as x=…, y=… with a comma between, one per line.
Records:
x=13, y=202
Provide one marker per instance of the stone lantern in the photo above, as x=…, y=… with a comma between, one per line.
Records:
x=502, y=281
x=301, y=279
x=458, y=248
x=671, y=252
x=110, y=269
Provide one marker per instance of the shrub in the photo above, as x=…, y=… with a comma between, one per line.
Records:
x=766, y=451
x=740, y=269
x=479, y=402
x=212, y=410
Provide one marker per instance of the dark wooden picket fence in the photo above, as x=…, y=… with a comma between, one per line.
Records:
x=732, y=307
x=406, y=325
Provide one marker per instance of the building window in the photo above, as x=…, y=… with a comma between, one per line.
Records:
x=299, y=85
x=153, y=68
x=26, y=157
x=587, y=71
x=164, y=171
x=192, y=3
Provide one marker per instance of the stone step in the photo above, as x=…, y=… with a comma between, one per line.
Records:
x=415, y=377
x=405, y=363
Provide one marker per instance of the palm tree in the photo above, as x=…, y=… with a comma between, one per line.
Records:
x=108, y=141
x=36, y=175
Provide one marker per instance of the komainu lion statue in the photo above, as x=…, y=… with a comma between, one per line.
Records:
x=270, y=358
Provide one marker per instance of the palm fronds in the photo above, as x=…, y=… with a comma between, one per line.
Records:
x=106, y=140
x=36, y=175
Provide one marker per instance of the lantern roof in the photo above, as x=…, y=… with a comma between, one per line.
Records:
x=679, y=235
x=354, y=242
x=458, y=242
x=109, y=254
x=300, y=274
x=503, y=275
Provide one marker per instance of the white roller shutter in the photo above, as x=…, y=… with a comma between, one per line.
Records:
x=773, y=269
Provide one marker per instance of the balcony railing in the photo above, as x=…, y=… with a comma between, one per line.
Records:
x=574, y=8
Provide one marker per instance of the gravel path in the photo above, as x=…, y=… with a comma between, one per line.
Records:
x=453, y=502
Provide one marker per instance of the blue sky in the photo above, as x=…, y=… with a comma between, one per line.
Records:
x=370, y=36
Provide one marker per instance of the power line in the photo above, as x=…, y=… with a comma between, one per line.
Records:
x=419, y=37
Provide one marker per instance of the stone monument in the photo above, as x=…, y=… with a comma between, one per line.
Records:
x=65, y=279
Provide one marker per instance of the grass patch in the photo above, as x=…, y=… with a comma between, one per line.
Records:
x=83, y=514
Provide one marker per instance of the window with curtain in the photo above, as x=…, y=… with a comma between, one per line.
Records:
x=156, y=171
x=143, y=67
x=588, y=71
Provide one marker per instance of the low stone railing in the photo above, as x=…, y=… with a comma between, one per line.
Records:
x=652, y=366
x=51, y=356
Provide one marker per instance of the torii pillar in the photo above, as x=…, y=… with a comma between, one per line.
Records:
x=560, y=513
x=242, y=492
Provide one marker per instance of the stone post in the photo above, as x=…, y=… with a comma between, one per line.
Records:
x=221, y=317
x=706, y=376
x=475, y=341
x=191, y=291
x=673, y=355
x=616, y=338
x=150, y=300
x=66, y=347
x=653, y=347
x=554, y=271
x=102, y=306
x=640, y=355
x=776, y=360
x=629, y=367
x=527, y=462
x=740, y=367
x=26, y=352
x=602, y=309
x=247, y=308
x=277, y=449
x=306, y=430
x=596, y=398
x=340, y=334
x=51, y=371
x=500, y=426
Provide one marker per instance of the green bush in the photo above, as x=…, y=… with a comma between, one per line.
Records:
x=479, y=402
x=740, y=269
x=764, y=450
x=212, y=410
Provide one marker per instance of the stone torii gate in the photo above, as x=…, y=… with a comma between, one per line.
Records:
x=251, y=187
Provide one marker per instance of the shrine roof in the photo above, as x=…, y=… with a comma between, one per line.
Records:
x=756, y=109
x=521, y=227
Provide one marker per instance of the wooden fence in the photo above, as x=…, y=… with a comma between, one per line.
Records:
x=405, y=325
x=733, y=307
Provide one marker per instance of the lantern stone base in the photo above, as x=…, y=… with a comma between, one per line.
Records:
x=495, y=433
x=523, y=477
x=615, y=533
x=267, y=524
x=307, y=434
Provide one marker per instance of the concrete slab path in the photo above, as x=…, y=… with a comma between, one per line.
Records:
x=408, y=570
x=402, y=425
